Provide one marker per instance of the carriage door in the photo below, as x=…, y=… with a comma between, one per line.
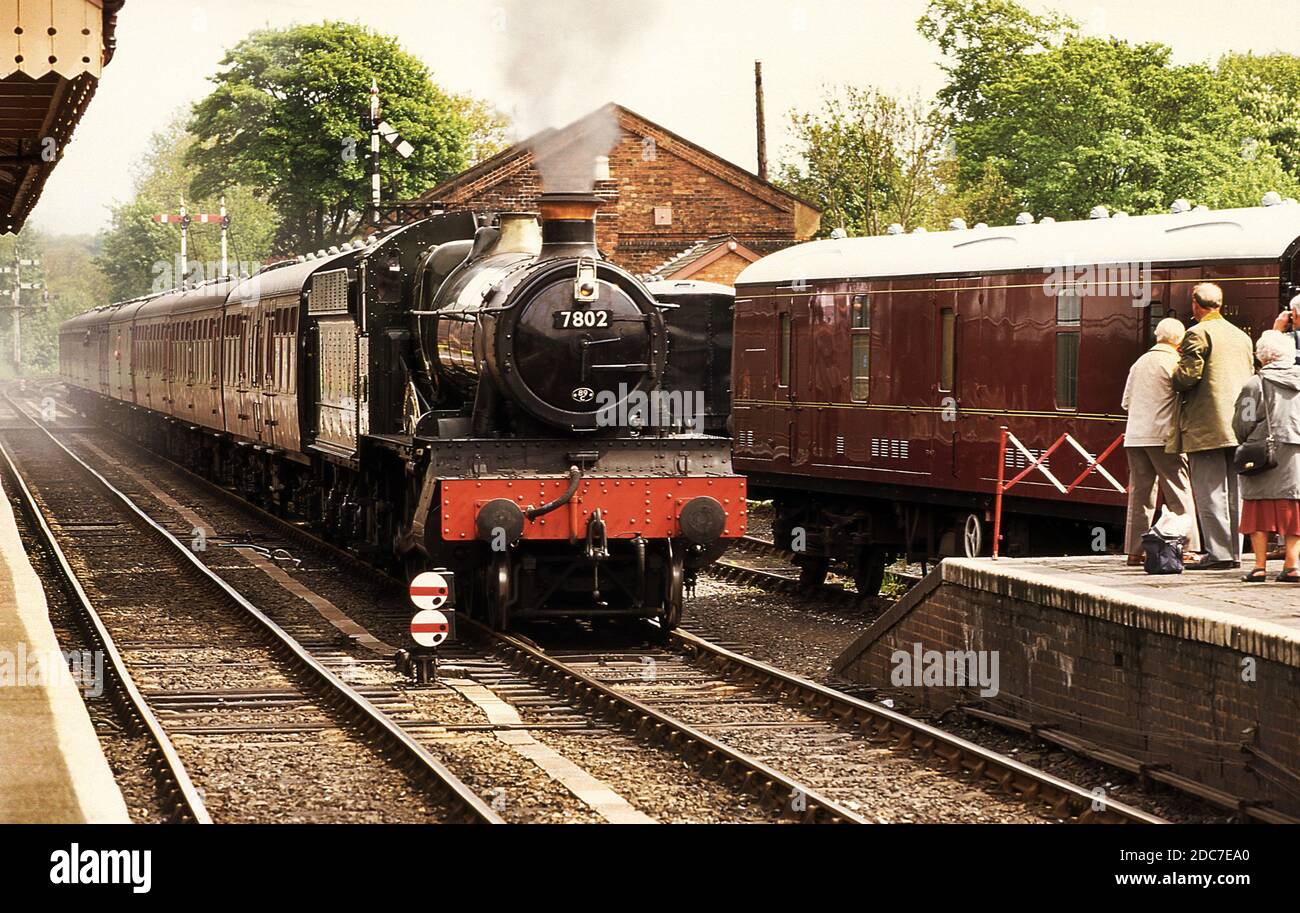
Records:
x=947, y=396
x=256, y=361
x=783, y=431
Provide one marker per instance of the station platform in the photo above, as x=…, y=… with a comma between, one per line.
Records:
x=1198, y=674
x=52, y=768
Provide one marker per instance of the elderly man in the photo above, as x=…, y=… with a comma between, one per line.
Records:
x=1150, y=400
x=1216, y=361
x=1289, y=322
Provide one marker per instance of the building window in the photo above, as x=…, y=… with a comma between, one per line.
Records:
x=1067, y=370
x=783, y=379
x=947, y=348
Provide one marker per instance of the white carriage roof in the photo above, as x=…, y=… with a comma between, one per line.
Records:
x=1258, y=233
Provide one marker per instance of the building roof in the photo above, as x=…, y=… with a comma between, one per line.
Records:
x=520, y=156
x=699, y=255
x=1257, y=233
x=50, y=64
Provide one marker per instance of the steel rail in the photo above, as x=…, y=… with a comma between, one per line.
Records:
x=337, y=693
x=879, y=723
x=778, y=791
x=177, y=787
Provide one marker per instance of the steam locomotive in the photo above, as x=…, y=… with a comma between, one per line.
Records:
x=483, y=394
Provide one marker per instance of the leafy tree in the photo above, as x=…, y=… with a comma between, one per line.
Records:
x=139, y=255
x=1102, y=121
x=982, y=39
x=287, y=119
x=867, y=160
x=1267, y=91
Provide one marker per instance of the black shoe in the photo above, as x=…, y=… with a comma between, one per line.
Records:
x=1211, y=564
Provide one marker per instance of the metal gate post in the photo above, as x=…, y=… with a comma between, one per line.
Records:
x=997, y=501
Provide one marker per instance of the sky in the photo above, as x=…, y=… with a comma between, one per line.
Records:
x=686, y=64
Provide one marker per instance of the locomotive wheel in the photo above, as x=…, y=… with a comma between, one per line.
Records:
x=671, y=614
x=869, y=572
x=812, y=571
x=972, y=538
x=497, y=591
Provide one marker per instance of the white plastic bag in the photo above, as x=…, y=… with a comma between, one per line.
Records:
x=1172, y=525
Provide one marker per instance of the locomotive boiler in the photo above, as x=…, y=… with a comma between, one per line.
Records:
x=483, y=394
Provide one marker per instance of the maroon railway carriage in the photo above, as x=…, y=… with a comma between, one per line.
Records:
x=872, y=376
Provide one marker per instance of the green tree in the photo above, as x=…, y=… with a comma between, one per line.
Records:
x=287, y=119
x=868, y=160
x=140, y=255
x=1267, y=91
x=1102, y=121
x=981, y=40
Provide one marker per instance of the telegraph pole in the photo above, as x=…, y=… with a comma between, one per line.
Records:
x=16, y=297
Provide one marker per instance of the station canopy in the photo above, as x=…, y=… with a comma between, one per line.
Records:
x=52, y=53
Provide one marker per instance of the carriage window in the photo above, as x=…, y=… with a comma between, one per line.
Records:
x=784, y=379
x=861, y=313
x=1067, y=370
x=1155, y=314
x=947, y=348
x=1069, y=309
x=861, y=357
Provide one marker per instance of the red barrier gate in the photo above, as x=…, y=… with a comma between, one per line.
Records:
x=1094, y=464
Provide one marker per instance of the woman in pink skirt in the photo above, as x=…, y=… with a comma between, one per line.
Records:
x=1271, y=499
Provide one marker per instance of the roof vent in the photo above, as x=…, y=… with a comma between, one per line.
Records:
x=1289, y=201
x=299, y=259
x=981, y=224
x=957, y=225
x=1119, y=214
x=1181, y=205
x=919, y=230
x=1272, y=198
x=894, y=229
x=1200, y=207
x=1047, y=220
x=1099, y=212
x=1025, y=218
x=838, y=234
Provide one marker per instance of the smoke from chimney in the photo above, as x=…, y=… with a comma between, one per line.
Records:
x=561, y=56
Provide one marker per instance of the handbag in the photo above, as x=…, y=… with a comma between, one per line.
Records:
x=1254, y=457
x=1163, y=554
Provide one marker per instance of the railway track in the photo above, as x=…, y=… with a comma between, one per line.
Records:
x=757, y=562
x=613, y=690
x=218, y=675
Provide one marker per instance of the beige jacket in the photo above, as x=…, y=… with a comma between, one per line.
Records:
x=1217, y=360
x=1150, y=398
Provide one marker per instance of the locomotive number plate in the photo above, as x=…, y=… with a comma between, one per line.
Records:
x=581, y=320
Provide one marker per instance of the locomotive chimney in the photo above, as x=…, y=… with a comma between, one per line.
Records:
x=569, y=224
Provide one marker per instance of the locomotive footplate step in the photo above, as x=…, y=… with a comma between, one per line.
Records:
x=1199, y=673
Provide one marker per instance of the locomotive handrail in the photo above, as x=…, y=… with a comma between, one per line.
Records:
x=1039, y=463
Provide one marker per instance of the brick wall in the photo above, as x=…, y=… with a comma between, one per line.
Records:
x=645, y=176
x=1153, y=696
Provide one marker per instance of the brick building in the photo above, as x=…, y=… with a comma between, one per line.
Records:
x=671, y=208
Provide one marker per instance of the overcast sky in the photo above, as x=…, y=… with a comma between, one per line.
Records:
x=687, y=64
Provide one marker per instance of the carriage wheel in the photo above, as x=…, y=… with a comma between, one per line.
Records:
x=869, y=571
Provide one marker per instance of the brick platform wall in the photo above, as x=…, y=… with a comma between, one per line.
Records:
x=1154, y=696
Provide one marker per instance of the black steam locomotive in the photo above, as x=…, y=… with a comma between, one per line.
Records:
x=485, y=395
